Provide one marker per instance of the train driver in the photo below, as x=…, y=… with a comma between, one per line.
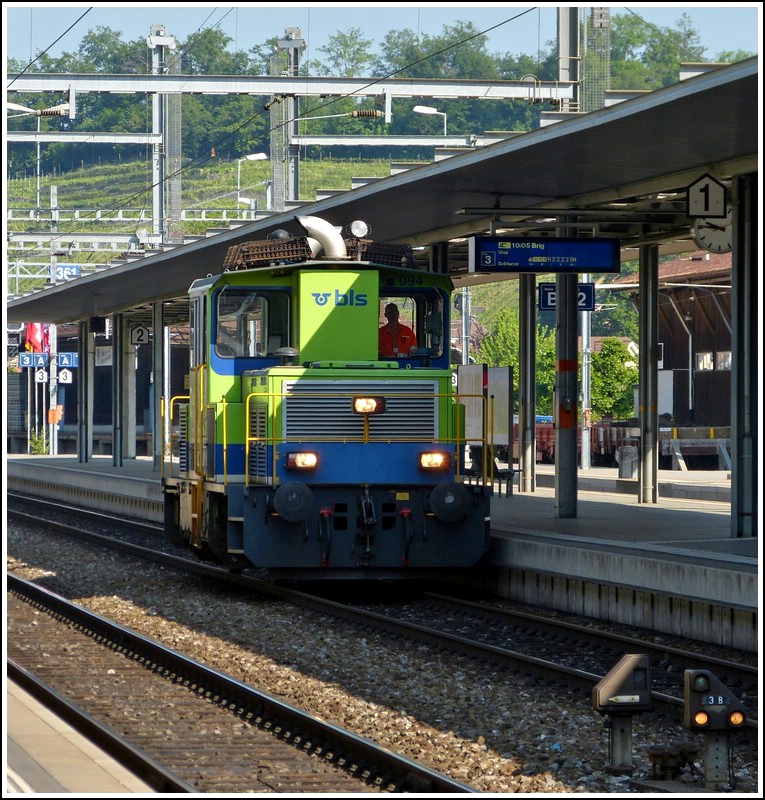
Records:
x=395, y=338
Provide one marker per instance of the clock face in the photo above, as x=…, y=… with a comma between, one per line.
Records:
x=714, y=234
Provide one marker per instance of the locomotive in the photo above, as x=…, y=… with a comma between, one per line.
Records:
x=302, y=450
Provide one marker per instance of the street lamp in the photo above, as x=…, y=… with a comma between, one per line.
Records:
x=250, y=157
x=430, y=110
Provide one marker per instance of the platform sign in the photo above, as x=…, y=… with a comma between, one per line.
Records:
x=27, y=359
x=65, y=376
x=41, y=376
x=65, y=272
x=585, y=297
x=525, y=254
x=69, y=360
x=707, y=197
x=139, y=335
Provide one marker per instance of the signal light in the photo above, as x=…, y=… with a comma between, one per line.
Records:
x=701, y=718
x=736, y=718
x=700, y=682
x=709, y=704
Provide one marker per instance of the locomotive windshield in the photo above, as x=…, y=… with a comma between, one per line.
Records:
x=251, y=323
x=420, y=319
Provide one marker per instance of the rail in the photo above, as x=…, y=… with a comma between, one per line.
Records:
x=126, y=215
x=458, y=441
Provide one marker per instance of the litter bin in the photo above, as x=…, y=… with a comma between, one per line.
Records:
x=627, y=458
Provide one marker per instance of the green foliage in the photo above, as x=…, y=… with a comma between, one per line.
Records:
x=501, y=347
x=108, y=188
x=613, y=375
x=348, y=53
x=616, y=316
x=642, y=57
x=38, y=443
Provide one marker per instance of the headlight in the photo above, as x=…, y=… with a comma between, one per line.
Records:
x=368, y=405
x=301, y=460
x=439, y=461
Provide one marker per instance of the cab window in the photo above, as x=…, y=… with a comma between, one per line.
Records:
x=250, y=323
x=411, y=324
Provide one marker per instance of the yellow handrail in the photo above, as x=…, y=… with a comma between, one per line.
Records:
x=225, y=440
x=274, y=441
x=169, y=434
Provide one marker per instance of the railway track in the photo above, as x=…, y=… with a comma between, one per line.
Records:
x=449, y=630
x=577, y=646
x=214, y=733
x=579, y=655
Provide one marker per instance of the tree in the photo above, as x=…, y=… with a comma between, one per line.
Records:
x=501, y=347
x=617, y=316
x=348, y=55
x=644, y=56
x=613, y=375
x=205, y=53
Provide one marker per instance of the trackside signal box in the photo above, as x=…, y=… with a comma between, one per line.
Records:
x=626, y=689
x=709, y=704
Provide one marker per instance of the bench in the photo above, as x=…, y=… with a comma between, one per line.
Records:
x=504, y=475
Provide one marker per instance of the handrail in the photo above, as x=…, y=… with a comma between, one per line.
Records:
x=274, y=441
x=225, y=440
x=168, y=435
x=458, y=440
x=199, y=422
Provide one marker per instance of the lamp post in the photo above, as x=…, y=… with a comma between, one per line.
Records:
x=431, y=110
x=250, y=157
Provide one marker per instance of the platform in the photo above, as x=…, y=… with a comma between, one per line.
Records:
x=46, y=756
x=673, y=564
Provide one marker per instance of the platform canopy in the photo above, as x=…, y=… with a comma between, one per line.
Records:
x=622, y=172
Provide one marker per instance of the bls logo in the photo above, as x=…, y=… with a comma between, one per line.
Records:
x=350, y=298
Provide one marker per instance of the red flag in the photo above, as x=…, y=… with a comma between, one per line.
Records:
x=35, y=337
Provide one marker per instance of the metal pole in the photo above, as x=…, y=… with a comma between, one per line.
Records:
x=465, y=325
x=586, y=382
x=52, y=334
x=37, y=204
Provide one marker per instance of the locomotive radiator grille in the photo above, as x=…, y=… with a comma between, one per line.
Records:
x=257, y=463
x=411, y=410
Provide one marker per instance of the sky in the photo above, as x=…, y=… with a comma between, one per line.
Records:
x=29, y=29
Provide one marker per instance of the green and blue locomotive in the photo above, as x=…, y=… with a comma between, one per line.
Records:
x=303, y=449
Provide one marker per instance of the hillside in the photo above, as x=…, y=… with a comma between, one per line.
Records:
x=128, y=186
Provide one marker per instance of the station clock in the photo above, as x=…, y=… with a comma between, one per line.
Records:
x=715, y=233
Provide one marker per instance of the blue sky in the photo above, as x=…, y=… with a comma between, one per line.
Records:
x=30, y=28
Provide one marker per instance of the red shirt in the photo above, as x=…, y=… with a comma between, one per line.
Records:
x=398, y=345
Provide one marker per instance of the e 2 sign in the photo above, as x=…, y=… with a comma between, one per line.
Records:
x=585, y=297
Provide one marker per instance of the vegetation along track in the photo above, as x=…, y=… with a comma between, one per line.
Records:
x=481, y=710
